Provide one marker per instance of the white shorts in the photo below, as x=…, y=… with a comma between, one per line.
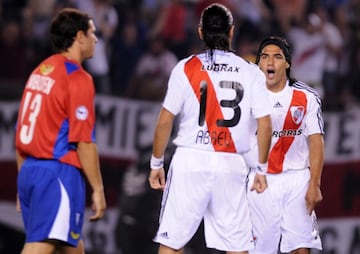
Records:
x=209, y=185
x=279, y=214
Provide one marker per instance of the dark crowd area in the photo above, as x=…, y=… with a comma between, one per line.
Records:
x=141, y=40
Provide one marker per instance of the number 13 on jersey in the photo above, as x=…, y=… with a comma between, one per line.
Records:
x=231, y=104
x=31, y=109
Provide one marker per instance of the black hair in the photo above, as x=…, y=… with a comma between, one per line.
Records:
x=216, y=21
x=282, y=44
x=64, y=27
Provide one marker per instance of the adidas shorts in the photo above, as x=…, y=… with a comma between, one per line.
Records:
x=209, y=185
x=279, y=213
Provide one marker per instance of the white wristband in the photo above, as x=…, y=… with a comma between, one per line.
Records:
x=156, y=163
x=262, y=168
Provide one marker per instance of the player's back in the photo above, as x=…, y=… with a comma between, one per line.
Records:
x=43, y=121
x=217, y=95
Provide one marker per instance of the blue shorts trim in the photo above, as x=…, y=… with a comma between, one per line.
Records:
x=52, y=200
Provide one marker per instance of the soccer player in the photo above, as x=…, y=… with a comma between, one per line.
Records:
x=55, y=142
x=285, y=210
x=215, y=94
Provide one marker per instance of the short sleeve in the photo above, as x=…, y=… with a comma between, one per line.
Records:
x=81, y=107
x=176, y=91
x=314, y=120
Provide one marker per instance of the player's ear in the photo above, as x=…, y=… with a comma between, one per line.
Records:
x=200, y=33
x=80, y=36
x=231, y=33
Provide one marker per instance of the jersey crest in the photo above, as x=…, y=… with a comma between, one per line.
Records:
x=297, y=113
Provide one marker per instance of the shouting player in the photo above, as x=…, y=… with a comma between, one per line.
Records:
x=285, y=210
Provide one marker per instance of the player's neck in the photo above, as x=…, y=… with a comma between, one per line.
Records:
x=72, y=56
x=276, y=87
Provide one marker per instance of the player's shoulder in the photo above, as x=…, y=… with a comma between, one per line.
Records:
x=178, y=69
x=303, y=87
x=48, y=65
x=184, y=60
x=246, y=67
x=58, y=64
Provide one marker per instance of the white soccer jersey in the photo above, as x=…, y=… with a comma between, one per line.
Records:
x=216, y=100
x=296, y=115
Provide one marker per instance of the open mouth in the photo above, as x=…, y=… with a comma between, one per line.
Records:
x=270, y=73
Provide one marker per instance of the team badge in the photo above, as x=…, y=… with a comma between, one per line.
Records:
x=46, y=69
x=82, y=113
x=297, y=113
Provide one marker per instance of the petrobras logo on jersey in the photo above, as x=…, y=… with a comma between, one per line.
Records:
x=220, y=67
x=297, y=113
x=287, y=133
x=82, y=113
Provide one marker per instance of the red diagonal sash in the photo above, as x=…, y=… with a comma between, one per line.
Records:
x=195, y=78
x=292, y=121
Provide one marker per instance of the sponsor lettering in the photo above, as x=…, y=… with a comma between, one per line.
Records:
x=287, y=133
x=220, y=68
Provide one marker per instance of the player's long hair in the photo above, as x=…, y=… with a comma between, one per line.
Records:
x=216, y=21
x=65, y=26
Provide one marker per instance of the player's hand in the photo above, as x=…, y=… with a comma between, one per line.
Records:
x=260, y=183
x=313, y=197
x=98, y=205
x=157, y=179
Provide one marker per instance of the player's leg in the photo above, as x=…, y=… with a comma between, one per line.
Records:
x=38, y=206
x=302, y=234
x=166, y=250
x=72, y=250
x=38, y=248
x=265, y=209
x=227, y=221
x=241, y=252
x=301, y=251
x=189, y=182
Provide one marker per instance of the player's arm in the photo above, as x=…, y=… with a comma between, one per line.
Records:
x=19, y=162
x=161, y=138
x=316, y=158
x=264, y=132
x=89, y=159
